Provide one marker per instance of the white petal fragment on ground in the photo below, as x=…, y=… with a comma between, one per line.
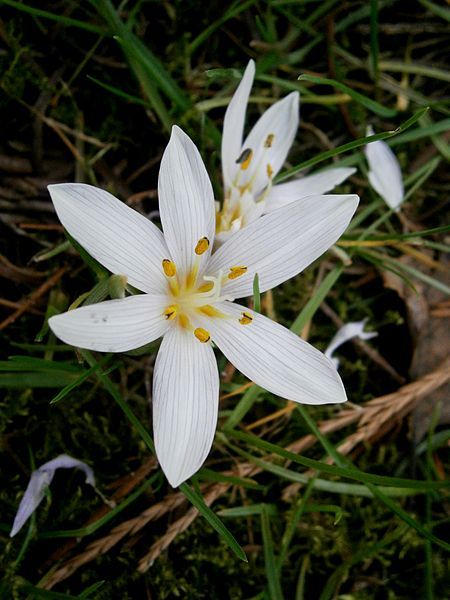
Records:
x=233, y=125
x=118, y=237
x=113, y=326
x=39, y=481
x=275, y=358
x=346, y=333
x=310, y=185
x=385, y=175
x=186, y=200
x=185, y=404
x=280, y=120
x=281, y=244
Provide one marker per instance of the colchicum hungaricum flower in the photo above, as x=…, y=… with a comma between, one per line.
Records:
x=347, y=332
x=385, y=175
x=188, y=297
x=249, y=167
x=40, y=480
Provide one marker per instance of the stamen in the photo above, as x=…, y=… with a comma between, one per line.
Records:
x=269, y=140
x=169, y=268
x=184, y=322
x=202, y=246
x=202, y=335
x=211, y=311
x=246, y=319
x=171, y=312
x=205, y=287
x=236, y=272
x=245, y=159
x=269, y=171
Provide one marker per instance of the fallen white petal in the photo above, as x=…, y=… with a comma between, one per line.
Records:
x=346, y=333
x=233, y=125
x=281, y=120
x=281, y=244
x=115, y=325
x=385, y=175
x=310, y=185
x=186, y=200
x=185, y=404
x=275, y=358
x=39, y=481
x=118, y=237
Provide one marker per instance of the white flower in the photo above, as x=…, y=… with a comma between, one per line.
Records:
x=39, y=481
x=188, y=297
x=250, y=166
x=346, y=333
x=385, y=175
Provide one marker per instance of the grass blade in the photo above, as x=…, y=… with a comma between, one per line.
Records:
x=197, y=501
x=368, y=103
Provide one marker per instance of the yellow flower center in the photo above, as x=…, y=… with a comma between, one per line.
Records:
x=237, y=206
x=192, y=297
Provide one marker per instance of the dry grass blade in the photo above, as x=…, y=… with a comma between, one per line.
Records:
x=178, y=527
x=102, y=545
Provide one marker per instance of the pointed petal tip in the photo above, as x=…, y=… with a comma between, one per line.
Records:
x=250, y=67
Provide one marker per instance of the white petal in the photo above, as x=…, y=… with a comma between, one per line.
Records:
x=233, y=125
x=281, y=244
x=186, y=200
x=39, y=481
x=185, y=404
x=275, y=358
x=310, y=185
x=346, y=333
x=114, y=325
x=121, y=239
x=385, y=175
x=280, y=120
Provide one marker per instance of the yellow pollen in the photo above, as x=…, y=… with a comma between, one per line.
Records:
x=202, y=335
x=210, y=311
x=169, y=268
x=246, y=319
x=171, y=312
x=269, y=140
x=184, y=322
x=202, y=246
x=205, y=287
x=236, y=272
x=245, y=159
x=269, y=171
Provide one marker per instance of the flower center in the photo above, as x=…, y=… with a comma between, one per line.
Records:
x=241, y=204
x=191, y=296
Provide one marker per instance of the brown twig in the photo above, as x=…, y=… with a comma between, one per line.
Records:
x=102, y=545
x=34, y=296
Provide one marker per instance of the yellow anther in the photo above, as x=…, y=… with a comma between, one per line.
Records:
x=269, y=140
x=236, y=272
x=171, y=312
x=246, y=319
x=184, y=322
x=245, y=159
x=205, y=287
x=202, y=335
x=269, y=171
x=202, y=246
x=169, y=268
x=210, y=311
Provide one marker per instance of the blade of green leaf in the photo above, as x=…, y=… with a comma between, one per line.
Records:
x=350, y=146
x=273, y=581
x=368, y=103
x=213, y=520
